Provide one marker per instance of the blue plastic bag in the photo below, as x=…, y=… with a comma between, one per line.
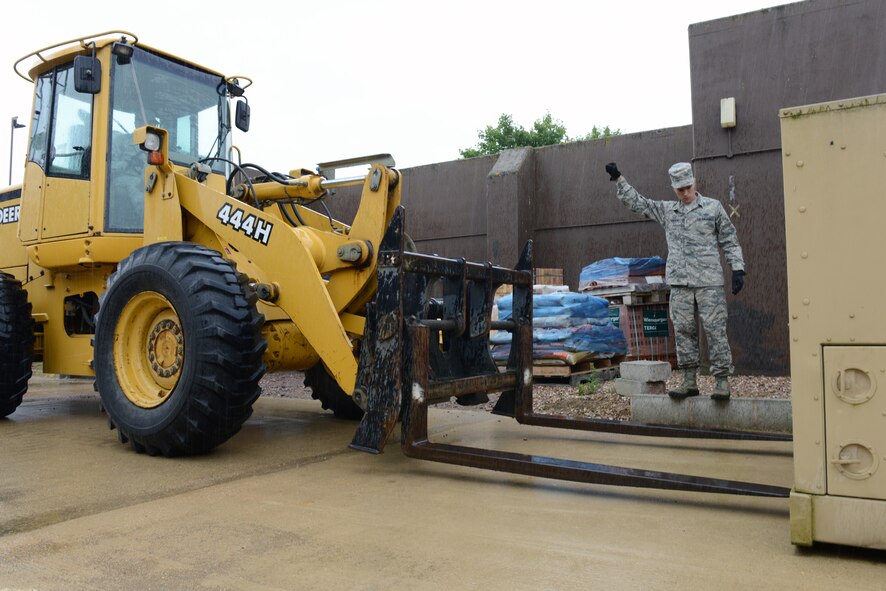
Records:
x=616, y=270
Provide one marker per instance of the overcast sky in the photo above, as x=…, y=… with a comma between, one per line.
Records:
x=337, y=79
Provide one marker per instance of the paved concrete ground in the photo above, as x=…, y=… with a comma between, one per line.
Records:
x=285, y=505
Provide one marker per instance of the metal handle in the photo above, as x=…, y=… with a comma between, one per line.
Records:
x=845, y=462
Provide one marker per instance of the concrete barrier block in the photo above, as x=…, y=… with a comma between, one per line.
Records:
x=771, y=415
x=627, y=387
x=646, y=371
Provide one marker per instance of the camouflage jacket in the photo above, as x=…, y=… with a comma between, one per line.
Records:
x=694, y=232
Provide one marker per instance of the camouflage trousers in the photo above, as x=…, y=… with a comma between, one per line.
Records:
x=710, y=303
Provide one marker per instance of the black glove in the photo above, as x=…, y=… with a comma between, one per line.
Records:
x=737, y=281
x=612, y=169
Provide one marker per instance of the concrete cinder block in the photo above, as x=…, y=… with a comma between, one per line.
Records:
x=740, y=414
x=645, y=371
x=627, y=387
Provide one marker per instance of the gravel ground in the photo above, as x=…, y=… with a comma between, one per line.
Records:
x=562, y=399
x=553, y=397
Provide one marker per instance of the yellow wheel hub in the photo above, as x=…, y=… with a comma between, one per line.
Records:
x=149, y=349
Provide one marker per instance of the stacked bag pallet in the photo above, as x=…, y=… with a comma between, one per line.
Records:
x=568, y=328
x=638, y=298
x=622, y=273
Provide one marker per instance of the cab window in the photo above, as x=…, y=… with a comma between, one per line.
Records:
x=39, y=144
x=71, y=129
x=61, y=129
x=190, y=104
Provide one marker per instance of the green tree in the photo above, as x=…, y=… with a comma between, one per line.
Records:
x=595, y=134
x=546, y=131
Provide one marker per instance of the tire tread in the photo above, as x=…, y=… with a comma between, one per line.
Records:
x=221, y=395
x=16, y=343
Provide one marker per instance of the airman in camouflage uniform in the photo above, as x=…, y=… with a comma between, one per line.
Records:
x=696, y=227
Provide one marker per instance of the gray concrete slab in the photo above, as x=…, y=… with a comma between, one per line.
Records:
x=626, y=387
x=285, y=505
x=645, y=370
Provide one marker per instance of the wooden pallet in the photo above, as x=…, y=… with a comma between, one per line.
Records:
x=640, y=297
x=605, y=369
x=634, y=293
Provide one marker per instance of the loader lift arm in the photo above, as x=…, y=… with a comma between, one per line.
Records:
x=324, y=277
x=404, y=369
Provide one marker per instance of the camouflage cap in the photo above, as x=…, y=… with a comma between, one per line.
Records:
x=681, y=175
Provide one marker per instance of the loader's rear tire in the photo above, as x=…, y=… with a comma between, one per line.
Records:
x=325, y=389
x=178, y=349
x=16, y=343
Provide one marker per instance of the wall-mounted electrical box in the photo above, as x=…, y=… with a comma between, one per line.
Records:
x=727, y=112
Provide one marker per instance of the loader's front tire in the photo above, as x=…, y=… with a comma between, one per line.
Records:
x=178, y=349
x=16, y=343
x=325, y=389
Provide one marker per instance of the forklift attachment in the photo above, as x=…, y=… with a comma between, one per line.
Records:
x=419, y=351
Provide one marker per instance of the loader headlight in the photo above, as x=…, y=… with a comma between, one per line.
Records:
x=150, y=139
x=123, y=53
x=152, y=142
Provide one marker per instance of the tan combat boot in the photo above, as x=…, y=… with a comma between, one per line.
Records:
x=689, y=387
x=721, y=389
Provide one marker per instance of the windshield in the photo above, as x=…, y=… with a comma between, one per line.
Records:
x=189, y=104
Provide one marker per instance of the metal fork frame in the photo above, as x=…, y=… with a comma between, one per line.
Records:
x=397, y=382
x=415, y=442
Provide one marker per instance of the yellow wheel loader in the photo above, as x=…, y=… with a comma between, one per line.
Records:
x=140, y=252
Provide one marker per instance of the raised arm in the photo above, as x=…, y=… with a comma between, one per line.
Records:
x=632, y=198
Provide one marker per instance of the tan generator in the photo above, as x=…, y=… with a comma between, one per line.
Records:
x=834, y=158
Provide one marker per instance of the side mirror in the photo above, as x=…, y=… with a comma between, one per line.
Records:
x=241, y=118
x=87, y=74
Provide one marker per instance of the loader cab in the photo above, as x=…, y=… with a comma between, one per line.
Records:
x=84, y=175
x=81, y=205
